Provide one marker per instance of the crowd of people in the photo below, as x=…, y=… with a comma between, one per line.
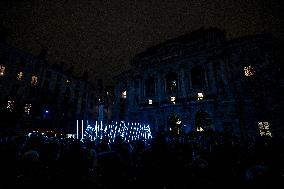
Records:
x=204, y=159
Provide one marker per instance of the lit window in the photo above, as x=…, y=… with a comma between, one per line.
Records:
x=178, y=122
x=20, y=76
x=34, y=80
x=67, y=81
x=2, y=70
x=199, y=129
x=200, y=96
x=174, y=83
x=123, y=94
x=249, y=71
x=10, y=105
x=173, y=99
x=28, y=109
x=150, y=101
x=264, y=129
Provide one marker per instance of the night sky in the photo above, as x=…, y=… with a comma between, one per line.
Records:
x=101, y=36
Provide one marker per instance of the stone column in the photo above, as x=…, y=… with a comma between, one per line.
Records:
x=182, y=83
x=141, y=87
x=160, y=86
x=212, y=83
x=223, y=75
x=189, y=79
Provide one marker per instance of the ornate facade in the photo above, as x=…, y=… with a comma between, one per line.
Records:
x=202, y=81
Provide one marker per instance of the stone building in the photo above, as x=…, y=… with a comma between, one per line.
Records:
x=38, y=95
x=202, y=81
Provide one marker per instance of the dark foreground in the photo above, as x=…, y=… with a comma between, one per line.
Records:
x=200, y=160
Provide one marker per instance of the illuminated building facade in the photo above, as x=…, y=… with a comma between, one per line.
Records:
x=202, y=81
x=38, y=95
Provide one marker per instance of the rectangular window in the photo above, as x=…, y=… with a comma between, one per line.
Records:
x=200, y=96
x=10, y=105
x=123, y=94
x=28, y=109
x=2, y=70
x=199, y=129
x=20, y=76
x=34, y=80
x=264, y=129
x=248, y=71
x=173, y=99
x=150, y=101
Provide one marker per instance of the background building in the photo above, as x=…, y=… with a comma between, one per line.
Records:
x=37, y=95
x=201, y=81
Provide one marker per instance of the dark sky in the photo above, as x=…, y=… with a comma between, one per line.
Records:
x=101, y=36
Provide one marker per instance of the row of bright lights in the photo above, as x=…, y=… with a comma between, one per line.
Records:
x=248, y=71
x=200, y=96
x=128, y=131
x=20, y=75
x=11, y=106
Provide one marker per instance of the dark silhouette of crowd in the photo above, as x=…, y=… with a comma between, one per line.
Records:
x=197, y=160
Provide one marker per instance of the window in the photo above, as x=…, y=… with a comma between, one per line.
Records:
x=178, y=122
x=150, y=101
x=200, y=96
x=203, y=121
x=123, y=94
x=20, y=76
x=249, y=71
x=67, y=81
x=34, y=80
x=10, y=105
x=199, y=129
x=172, y=82
x=173, y=99
x=28, y=109
x=264, y=129
x=2, y=70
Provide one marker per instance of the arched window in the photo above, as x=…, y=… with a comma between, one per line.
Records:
x=150, y=86
x=172, y=82
x=174, y=124
x=198, y=78
x=202, y=121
